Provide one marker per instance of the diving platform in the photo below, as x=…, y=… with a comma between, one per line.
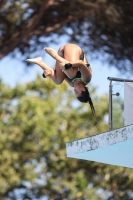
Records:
x=114, y=147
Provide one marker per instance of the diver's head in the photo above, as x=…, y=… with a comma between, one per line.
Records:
x=82, y=94
x=79, y=87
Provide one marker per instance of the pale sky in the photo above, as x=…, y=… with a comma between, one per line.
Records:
x=12, y=70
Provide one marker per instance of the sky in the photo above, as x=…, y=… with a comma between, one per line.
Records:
x=12, y=70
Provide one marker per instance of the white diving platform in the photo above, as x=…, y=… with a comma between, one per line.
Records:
x=114, y=147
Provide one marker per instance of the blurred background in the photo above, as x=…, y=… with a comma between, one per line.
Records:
x=38, y=117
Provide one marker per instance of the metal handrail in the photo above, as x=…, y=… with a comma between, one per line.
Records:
x=119, y=79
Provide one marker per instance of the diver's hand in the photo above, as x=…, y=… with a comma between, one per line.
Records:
x=47, y=72
x=62, y=66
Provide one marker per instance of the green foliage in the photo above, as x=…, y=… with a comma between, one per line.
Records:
x=37, y=120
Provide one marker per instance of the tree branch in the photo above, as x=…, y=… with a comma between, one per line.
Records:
x=14, y=41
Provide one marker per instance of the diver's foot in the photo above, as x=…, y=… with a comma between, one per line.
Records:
x=54, y=54
x=37, y=60
x=50, y=51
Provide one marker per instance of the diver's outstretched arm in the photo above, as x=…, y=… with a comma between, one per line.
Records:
x=62, y=61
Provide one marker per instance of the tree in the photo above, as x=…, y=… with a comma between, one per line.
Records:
x=100, y=27
x=37, y=120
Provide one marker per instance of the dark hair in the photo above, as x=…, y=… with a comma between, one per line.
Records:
x=85, y=97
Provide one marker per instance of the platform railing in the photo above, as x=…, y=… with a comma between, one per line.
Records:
x=110, y=97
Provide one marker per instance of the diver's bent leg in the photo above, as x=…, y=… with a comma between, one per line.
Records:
x=56, y=78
